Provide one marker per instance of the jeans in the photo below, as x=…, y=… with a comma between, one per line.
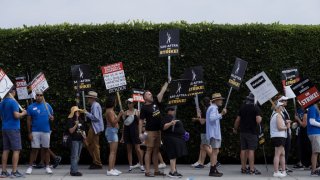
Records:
x=76, y=147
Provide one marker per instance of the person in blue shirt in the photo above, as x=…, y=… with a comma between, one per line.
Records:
x=213, y=131
x=96, y=127
x=313, y=131
x=10, y=116
x=40, y=114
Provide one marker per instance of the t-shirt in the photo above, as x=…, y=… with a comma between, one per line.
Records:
x=248, y=113
x=178, y=130
x=40, y=117
x=75, y=136
x=152, y=115
x=313, y=113
x=7, y=108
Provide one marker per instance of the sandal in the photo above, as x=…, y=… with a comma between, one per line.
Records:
x=255, y=172
x=148, y=174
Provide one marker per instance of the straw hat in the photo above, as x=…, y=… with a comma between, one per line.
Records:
x=92, y=94
x=73, y=110
x=216, y=96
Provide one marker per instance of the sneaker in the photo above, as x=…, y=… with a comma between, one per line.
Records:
x=75, y=174
x=255, y=172
x=135, y=166
x=16, y=174
x=112, y=173
x=200, y=166
x=208, y=165
x=48, y=170
x=162, y=166
x=56, y=161
x=4, y=174
x=315, y=173
x=130, y=170
x=29, y=170
x=214, y=172
x=195, y=164
x=288, y=170
x=278, y=174
x=174, y=175
x=117, y=171
x=284, y=174
x=142, y=169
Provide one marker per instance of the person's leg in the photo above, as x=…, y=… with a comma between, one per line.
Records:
x=276, y=159
x=46, y=156
x=113, y=151
x=160, y=158
x=155, y=158
x=173, y=165
x=251, y=159
x=139, y=153
x=5, y=154
x=52, y=154
x=282, y=158
x=129, y=153
x=96, y=150
x=243, y=157
x=214, y=155
x=73, y=157
x=287, y=147
x=33, y=155
x=15, y=160
x=314, y=159
x=202, y=154
x=90, y=144
x=147, y=158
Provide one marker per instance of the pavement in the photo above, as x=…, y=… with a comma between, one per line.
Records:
x=189, y=173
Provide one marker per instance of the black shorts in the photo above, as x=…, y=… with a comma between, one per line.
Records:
x=248, y=141
x=278, y=141
x=131, y=134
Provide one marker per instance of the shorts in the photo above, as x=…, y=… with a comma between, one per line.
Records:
x=153, y=139
x=204, y=140
x=40, y=138
x=215, y=143
x=278, y=141
x=248, y=141
x=131, y=135
x=315, y=143
x=11, y=140
x=111, y=134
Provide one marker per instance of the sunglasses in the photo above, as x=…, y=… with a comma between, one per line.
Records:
x=39, y=95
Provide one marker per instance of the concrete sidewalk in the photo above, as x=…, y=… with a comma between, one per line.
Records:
x=230, y=172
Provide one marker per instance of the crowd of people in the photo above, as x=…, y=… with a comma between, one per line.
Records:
x=151, y=128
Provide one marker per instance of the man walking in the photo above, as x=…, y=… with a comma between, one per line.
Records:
x=313, y=130
x=10, y=115
x=40, y=114
x=95, y=129
x=213, y=131
x=151, y=114
x=249, y=117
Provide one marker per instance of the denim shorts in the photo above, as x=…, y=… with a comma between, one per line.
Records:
x=111, y=134
x=11, y=140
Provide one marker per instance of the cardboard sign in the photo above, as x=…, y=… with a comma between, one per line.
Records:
x=5, y=84
x=81, y=76
x=22, y=90
x=195, y=75
x=289, y=77
x=39, y=83
x=137, y=95
x=307, y=94
x=114, y=77
x=169, y=42
x=262, y=88
x=237, y=73
x=179, y=90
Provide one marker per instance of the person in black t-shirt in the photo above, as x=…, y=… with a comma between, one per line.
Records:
x=249, y=117
x=151, y=114
x=77, y=136
x=173, y=141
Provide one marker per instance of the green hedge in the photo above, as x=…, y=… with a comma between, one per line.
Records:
x=53, y=49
